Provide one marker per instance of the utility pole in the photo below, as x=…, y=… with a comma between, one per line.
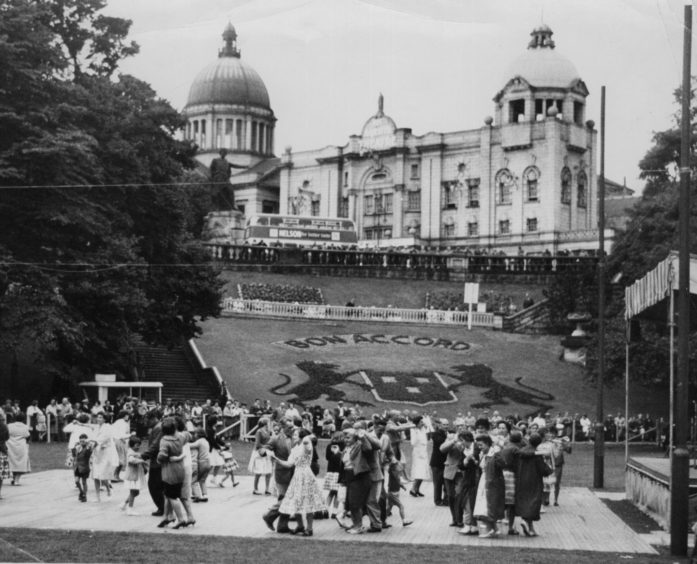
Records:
x=680, y=458
x=599, y=448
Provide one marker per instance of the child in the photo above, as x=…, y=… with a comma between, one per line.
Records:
x=136, y=468
x=229, y=467
x=394, y=484
x=82, y=452
x=335, y=470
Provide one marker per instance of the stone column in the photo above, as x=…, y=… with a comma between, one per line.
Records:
x=398, y=211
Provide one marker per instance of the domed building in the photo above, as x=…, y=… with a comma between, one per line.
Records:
x=523, y=182
x=228, y=108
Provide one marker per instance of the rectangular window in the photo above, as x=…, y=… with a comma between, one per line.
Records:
x=504, y=227
x=344, y=207
x=578, y=113
x=414, y=200
x=449, y=230
x=539, y=110
x=473, y=229
x=516, y=111
x=346, y=178
x=473, y=193
x=414, y=171
x=368, y=208
x=532, y=224
x=532, y=189
x=239, y=133
x=449, y=194
x=314, y=210
x=218, y=132
x=203, y=142
x=267, y=206
x=254, y=135
x=504, y=193
x=368, y=234
x=387, y=201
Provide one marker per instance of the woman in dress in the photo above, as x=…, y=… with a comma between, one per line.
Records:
x=121, y=432
x=171, y=457
x=259, y=463
x=17, y=447
x=5, y=473
x=489, y=506
x=304, y=496
x=105, y=458
x=419, y=456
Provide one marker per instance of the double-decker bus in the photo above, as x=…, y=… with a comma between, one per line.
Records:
x=296, y=231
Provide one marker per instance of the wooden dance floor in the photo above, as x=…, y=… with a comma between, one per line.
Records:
x=48, y=500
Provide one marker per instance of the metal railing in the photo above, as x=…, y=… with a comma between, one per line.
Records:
x=343, y=313
x=402, y=260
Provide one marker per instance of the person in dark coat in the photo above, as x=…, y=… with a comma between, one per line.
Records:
x=437, y=462
x=489, y=506
x=530, y=469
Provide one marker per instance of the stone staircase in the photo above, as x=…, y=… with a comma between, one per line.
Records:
x=532, y=320
x=180, y=371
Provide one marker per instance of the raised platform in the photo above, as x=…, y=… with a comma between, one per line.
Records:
x=648, y=486
x=582, y=522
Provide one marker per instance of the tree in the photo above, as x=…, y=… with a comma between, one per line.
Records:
x=650, y=234
x=97, y=242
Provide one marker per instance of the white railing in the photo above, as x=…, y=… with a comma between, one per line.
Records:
x=232, y=306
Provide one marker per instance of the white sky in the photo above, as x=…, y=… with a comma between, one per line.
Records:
x=437, y=62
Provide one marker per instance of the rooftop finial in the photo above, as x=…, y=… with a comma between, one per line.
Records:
x=381, y=104
x=541, y=38
x=230, y=37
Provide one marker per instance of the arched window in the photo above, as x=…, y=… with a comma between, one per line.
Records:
x=582, y=196
x=565, y=186
x=531, y=177
x=504, y=184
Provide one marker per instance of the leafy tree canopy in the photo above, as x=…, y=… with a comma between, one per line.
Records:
x=98, y=242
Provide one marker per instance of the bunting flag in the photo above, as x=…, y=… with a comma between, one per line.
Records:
x=656, y=285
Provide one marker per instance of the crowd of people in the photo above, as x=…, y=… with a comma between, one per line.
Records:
x=494, y=474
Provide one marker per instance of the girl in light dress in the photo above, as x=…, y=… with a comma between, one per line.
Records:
x=259, y=463
x=136, y=469
x=229, y=467
x=304, y=496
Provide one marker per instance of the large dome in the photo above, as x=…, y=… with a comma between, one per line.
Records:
x=228, y=81
x=541, y=65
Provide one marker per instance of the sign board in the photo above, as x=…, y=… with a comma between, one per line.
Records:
x=471, y=292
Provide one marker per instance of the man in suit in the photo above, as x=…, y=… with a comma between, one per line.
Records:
x=437, y=462
x=281, y=445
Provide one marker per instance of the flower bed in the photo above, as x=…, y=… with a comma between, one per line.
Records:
x=280, y=293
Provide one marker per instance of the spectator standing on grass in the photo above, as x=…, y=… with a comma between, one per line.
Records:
x=17, y=447
x=52, y=415
x=33, y=412
x=5, y=473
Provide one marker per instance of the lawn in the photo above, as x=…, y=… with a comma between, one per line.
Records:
x=322, y=362
x=22, y=545
x=378, y=292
